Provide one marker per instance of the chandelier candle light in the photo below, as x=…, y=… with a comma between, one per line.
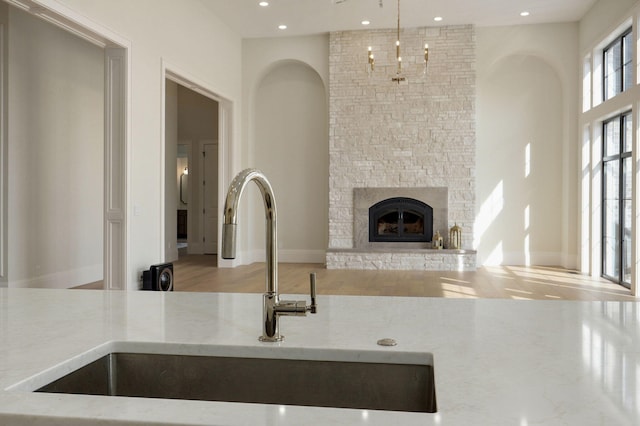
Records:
x=426, y=56
x=398, y=77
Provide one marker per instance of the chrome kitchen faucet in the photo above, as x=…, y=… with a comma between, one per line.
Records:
x=273, y=307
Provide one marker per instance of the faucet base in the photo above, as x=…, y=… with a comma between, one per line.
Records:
x=278, y=338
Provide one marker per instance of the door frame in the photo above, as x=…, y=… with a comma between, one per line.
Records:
x=117, y=54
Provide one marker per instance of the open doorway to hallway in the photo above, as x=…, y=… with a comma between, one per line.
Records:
x=191, y=184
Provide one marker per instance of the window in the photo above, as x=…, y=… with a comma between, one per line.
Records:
x=616, y=199
x=618, y=65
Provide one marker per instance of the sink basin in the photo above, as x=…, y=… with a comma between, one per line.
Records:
x=376, y=385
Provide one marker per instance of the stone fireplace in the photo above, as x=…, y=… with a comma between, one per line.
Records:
x=391, y=142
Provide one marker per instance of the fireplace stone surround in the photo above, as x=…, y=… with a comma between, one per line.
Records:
x=416, y=135
x=405, y=255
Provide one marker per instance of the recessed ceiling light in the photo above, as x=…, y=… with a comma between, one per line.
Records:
x=525, y=13
x=365, y=22
x=282, y=27
x=264, y=3
x=438, y=18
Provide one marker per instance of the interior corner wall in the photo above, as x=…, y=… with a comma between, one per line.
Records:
x=527, y=152
x=56, y=151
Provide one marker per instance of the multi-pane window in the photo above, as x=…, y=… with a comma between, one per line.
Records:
x=616, y=199
x=618, y=65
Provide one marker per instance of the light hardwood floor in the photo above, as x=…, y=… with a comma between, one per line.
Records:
x=198, y=273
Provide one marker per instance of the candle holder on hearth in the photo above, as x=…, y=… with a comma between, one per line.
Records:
x=455, y=237
x=437, y=241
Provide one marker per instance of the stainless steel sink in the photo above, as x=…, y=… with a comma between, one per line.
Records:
x=340, y=384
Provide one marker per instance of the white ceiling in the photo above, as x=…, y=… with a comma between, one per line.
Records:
x=304, y=17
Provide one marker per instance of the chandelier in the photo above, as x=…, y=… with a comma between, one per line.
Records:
x=398, y=78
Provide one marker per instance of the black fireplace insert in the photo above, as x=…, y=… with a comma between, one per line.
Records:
x=400, y=219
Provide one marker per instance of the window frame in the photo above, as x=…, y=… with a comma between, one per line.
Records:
x=624, y=36
x=623, y=119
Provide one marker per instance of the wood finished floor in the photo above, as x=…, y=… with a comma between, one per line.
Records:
x=198, y=273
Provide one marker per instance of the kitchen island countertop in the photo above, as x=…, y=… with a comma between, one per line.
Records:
x=496, y=362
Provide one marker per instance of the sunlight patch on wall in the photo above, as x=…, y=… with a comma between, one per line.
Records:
x=527, y=239
x=497, y=255
x=489, y=211
x=527, y=160
x=586, y=84
x=596, y=200
x=596, y=90
x=585, y=240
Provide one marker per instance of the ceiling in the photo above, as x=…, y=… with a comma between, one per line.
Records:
x=304, y=17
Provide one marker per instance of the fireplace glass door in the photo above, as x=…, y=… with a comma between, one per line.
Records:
x=400, y=220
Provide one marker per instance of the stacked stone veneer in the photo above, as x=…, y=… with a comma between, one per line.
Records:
x=386, y=135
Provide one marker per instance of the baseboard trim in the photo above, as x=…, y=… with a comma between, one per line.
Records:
x=62, y=279
x=521, y=259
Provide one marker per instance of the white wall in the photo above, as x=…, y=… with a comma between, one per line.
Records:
x=188, y=37
x=285, y=90
x=527, y=96
x=55, y=134
x=597, y=22
x=197, y=116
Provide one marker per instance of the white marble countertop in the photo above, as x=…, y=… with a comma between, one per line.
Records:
x=497, y=362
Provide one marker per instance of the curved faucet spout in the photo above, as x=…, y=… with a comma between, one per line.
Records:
x=230, y=221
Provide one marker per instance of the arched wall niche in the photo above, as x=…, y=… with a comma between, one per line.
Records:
x=520, y=155
x=290, y=144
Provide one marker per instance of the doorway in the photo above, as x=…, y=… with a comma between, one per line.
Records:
x=192, y=129
x=108, y=257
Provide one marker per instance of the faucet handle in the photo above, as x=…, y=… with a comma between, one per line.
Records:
x=313, y=308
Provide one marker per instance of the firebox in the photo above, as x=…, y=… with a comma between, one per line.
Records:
x=400, y=220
